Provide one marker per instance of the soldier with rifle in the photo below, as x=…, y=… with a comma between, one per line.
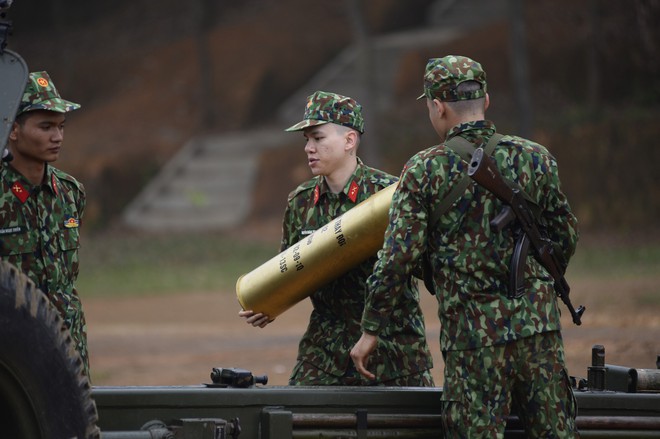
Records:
x=497, y=298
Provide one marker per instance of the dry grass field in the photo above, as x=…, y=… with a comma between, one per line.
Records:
x=178, y=337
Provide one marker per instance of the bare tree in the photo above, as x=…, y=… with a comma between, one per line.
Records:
x=58, y=13
x=367, y=79
x=204, y=21
x=593, y=56
x=520, y=67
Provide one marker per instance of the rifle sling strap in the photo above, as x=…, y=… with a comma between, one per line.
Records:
x=464, y=149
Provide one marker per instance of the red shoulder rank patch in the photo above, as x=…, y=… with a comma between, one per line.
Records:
x=21, y=193
x=53, y=183
x=317, y=194
x=353, y=191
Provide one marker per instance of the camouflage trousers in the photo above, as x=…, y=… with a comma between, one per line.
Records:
x=70, y=309
x=483, y=385
x=306, y=374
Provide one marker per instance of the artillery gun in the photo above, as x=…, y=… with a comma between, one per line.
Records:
x=44, y=395
x=613, y=402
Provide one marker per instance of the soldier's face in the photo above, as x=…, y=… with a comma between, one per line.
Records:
x=325, y=148
x=39, y=137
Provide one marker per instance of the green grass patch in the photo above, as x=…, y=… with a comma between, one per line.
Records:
x=616, y=260
x=138, y=264
x=114, y=264
x=648, y=298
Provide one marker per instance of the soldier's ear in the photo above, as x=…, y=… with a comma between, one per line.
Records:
x=439, y=107
x=351, y=139
x=13, y=134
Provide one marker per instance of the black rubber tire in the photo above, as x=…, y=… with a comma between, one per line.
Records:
x=44, y=393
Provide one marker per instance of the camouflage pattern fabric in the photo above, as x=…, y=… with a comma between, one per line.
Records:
x=323, y=107
x=40, y=94
x=307, y=374
x=39, y=234
x=469, y=262
x=334, y=325
x=443, y=76
x=527, y=374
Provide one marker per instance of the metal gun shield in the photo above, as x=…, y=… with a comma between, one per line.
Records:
x=13, y=78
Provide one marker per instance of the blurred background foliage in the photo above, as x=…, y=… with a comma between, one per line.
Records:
x=152, y=75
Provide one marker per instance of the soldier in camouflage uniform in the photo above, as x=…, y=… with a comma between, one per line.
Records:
x=41, y=207
x=499, y=352
x=332, y=127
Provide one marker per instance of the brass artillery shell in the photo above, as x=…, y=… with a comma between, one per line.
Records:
x=317, y=259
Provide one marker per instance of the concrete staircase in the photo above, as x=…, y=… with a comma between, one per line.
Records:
x=208, y=185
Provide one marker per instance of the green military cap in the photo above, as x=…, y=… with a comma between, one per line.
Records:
x=443, y=76
x=323, y=107
x=41, y=94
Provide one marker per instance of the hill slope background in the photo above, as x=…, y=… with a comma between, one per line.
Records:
x=135, y=67
x=150, y=78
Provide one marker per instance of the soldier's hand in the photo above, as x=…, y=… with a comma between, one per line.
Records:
x=360, y=354
x=255, y=319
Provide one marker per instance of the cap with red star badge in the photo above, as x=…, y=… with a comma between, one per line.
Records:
x=40, y=94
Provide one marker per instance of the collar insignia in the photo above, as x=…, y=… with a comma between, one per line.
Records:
x=353, y=191
x=21, y=193
x=54, y=184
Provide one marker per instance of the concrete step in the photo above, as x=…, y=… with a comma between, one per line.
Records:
x=207, y=185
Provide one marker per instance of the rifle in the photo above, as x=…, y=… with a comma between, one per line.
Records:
x=484, y=171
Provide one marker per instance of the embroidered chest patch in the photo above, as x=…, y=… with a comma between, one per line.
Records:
x=11, y=230
x=71, y=223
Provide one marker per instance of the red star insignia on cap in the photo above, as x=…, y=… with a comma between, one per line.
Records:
x=20, y=192
x=353, y=191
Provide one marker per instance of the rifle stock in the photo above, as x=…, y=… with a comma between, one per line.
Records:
x=484, y=171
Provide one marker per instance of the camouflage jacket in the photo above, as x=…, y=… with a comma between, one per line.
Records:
x=470, y=263
x=334, y=325
x=39, y=234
